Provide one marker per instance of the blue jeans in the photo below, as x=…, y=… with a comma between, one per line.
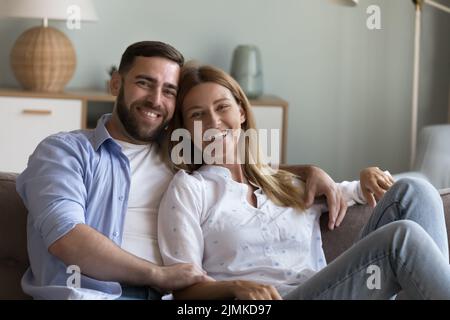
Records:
x=403, y=247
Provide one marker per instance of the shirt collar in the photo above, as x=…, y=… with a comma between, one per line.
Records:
x=101, y=134
x=221, y=171
x=226, y=173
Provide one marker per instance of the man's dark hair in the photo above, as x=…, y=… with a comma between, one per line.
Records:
x=149, y=49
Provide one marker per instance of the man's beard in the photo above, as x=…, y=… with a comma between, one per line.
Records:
x=131, y=124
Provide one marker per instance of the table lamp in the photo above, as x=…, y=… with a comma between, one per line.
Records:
x=43, y=58
x=415, y=92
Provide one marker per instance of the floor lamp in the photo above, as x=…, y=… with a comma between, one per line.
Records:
x=415, y=98
x=415, y=92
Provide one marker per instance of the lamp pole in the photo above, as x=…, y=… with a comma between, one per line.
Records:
x=415, y=91
x=416, y=71
x=416, y=67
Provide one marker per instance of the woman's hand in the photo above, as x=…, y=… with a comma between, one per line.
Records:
x=374, y=184
x=249, y=290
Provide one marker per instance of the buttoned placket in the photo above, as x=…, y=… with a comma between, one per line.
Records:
x=123, y=194
x=263, y=215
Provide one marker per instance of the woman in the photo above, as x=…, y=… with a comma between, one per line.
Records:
x=249, y=229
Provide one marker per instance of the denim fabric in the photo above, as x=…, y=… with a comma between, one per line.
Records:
x=403, y=247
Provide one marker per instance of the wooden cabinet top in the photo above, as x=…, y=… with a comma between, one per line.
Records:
x=103, y=96
x=89, y=95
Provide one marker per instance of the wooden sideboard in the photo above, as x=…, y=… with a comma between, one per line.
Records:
x=28, y=117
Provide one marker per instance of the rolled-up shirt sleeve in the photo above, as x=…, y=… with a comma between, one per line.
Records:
x=180, y=235
x=52, y=188
x=352, y=192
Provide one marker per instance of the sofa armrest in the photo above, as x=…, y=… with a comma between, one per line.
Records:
x=13, y=239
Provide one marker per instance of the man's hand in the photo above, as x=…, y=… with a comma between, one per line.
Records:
x=319, y=183
x=374, y=184
x=179, y=276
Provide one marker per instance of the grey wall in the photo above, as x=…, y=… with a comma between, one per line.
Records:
x=348, y=88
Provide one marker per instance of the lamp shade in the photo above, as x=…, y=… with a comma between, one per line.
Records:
x=43, y=58
x=47, y=9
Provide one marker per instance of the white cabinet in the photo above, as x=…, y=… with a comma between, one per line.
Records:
x=26, y=118
x=27, y=121
x=271, y=115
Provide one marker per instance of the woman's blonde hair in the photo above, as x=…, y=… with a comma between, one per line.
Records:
x=282, y=187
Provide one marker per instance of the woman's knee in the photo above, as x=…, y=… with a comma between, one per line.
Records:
x=417, y=190
x=416, y=185
x=406, y=226
x=403, y=233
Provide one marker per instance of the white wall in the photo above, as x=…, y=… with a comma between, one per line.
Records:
x=348, y=87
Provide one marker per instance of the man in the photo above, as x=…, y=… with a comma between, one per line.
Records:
x=93, y=196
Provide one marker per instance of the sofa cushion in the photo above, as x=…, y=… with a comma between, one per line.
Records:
x=13, y=248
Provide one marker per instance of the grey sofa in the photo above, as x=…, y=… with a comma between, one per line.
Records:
x=13, y=249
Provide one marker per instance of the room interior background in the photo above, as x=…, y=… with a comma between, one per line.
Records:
x=348, y=87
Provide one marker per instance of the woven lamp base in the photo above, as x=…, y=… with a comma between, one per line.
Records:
x=43, y=59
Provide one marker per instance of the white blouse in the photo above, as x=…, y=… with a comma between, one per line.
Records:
x=205, y=219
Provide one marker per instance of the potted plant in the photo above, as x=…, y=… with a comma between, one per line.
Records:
x=111, y=71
